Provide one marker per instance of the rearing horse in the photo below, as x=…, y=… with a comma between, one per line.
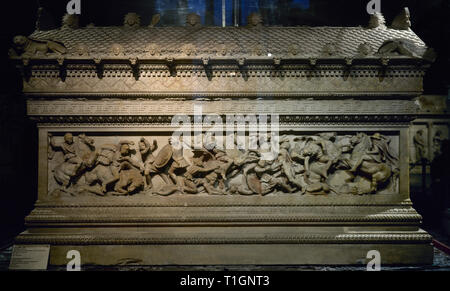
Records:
x=364, y=160
x=73, y=167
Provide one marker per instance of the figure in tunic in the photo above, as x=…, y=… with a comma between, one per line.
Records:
x=373, y=157
x=419, y=144
x=105, y=172
x=146, y=149
x=193, y=177
x=287, y=165
x=176, y=147
x=201, y=173
x=130, y=178
x=72, y=164
x=270, y=175
x=437, y=143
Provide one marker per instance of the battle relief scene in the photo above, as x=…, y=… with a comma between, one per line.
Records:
x=326, y=163
x=426, y=143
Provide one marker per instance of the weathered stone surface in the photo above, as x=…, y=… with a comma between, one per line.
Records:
x=112, y=180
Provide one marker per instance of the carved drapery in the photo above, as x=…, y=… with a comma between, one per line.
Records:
x=325, y=163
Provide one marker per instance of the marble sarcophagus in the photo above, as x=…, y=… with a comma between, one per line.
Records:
x=294, y=145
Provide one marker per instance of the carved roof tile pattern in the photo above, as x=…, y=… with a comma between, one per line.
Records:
x=237, y=41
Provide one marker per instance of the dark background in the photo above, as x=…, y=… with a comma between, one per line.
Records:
x=18, y=143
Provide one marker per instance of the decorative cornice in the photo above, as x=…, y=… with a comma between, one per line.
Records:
x=343, y=70
x=283, y=127
x=284, y=120
x=204, y=202
x=253, y=63
x=173, y=80
x=236, y=213
x=161, y=111
x=223, y=95
x=128, y=239
x=390, y=219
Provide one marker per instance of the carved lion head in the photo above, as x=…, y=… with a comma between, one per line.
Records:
x=254, y=20
x=153, y=49
x=377, y=20
x=70, y=21
x=189, y=49
x=330, y=49
x=222, y=49
x=81, y=49
x=116, y=49
x=132, y=20
x=365, y=49
x=294, y=49
x=20, y=42
x=193, y=20
x=257, y=49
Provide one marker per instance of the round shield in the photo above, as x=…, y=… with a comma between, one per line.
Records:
x=163, y=156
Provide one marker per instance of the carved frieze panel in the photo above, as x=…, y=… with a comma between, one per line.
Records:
x=439, y=133
x=426, y=139
x=313, y=84
x=115, y=107
x=326, y=163
x=419, y=144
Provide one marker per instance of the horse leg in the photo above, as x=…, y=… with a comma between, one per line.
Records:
x=165, y=178
x=324, y=172
x=136, y=183
x=374, y=184
x=61, y=177
x=357, y=164
x=172, y=175
x=378, y=177
x=189, y=187
x=149, y=170
x=148, y=181
x=119, y=187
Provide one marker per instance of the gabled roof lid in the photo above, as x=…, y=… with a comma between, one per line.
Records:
x=301, y=42
x=194, y=41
